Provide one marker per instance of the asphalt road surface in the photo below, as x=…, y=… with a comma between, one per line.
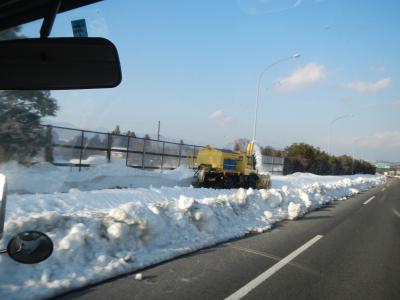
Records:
x=347, y=250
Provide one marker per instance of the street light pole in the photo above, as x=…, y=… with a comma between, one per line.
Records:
x=258, y=89
x=331, y=125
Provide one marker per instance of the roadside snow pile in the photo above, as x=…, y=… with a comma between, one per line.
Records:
x=47, y=178
x=100, y=234
x=302, y=180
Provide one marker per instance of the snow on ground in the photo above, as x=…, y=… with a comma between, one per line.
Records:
x=102, y=233
x=304, y=179
x=47, y=178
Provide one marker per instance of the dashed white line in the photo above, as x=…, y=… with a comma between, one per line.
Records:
x=369, y=200
x=239, y=294
x=383, y=189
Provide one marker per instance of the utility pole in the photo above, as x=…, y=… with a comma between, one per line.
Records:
x=158, y=130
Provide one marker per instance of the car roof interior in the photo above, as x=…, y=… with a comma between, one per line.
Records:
x=17, y=12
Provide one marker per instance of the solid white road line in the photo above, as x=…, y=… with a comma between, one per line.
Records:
x=369, y=200
x=239, y=294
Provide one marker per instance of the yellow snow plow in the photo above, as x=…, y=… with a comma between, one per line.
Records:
x=217, y=168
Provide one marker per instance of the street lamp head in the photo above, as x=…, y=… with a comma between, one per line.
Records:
x=296, y=55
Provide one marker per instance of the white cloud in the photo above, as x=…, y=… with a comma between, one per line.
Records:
x=368, y=87
x=220, y=117
x=216, y=115
x=304, y=76
x=386, y=139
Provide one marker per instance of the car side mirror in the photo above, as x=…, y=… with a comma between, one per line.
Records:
x=30, y=247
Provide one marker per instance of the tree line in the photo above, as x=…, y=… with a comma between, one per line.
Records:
x=301, y=157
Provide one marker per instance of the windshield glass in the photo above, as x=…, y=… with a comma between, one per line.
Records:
x=231, y=116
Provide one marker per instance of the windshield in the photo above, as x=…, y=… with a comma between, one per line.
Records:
x=231, y=116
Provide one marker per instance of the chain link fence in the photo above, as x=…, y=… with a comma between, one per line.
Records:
x=83, y=148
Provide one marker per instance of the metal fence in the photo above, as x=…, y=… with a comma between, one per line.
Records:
x=83, y=148
x=273, y=165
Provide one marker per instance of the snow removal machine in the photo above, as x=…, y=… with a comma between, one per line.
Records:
x=228, y=169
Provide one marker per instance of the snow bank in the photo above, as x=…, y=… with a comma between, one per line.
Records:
x=103, y=233
x=47, y=178
x=302, y=180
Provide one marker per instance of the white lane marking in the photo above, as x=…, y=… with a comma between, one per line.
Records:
x=383, y=189
x=369, y=200
x=243, y=291
x=396, y=212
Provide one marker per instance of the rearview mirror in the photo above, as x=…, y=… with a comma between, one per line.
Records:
x=58, y=64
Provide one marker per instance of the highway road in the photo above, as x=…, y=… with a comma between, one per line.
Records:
x=346, y=250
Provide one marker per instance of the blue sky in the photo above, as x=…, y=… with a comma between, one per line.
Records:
x=194, y=66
